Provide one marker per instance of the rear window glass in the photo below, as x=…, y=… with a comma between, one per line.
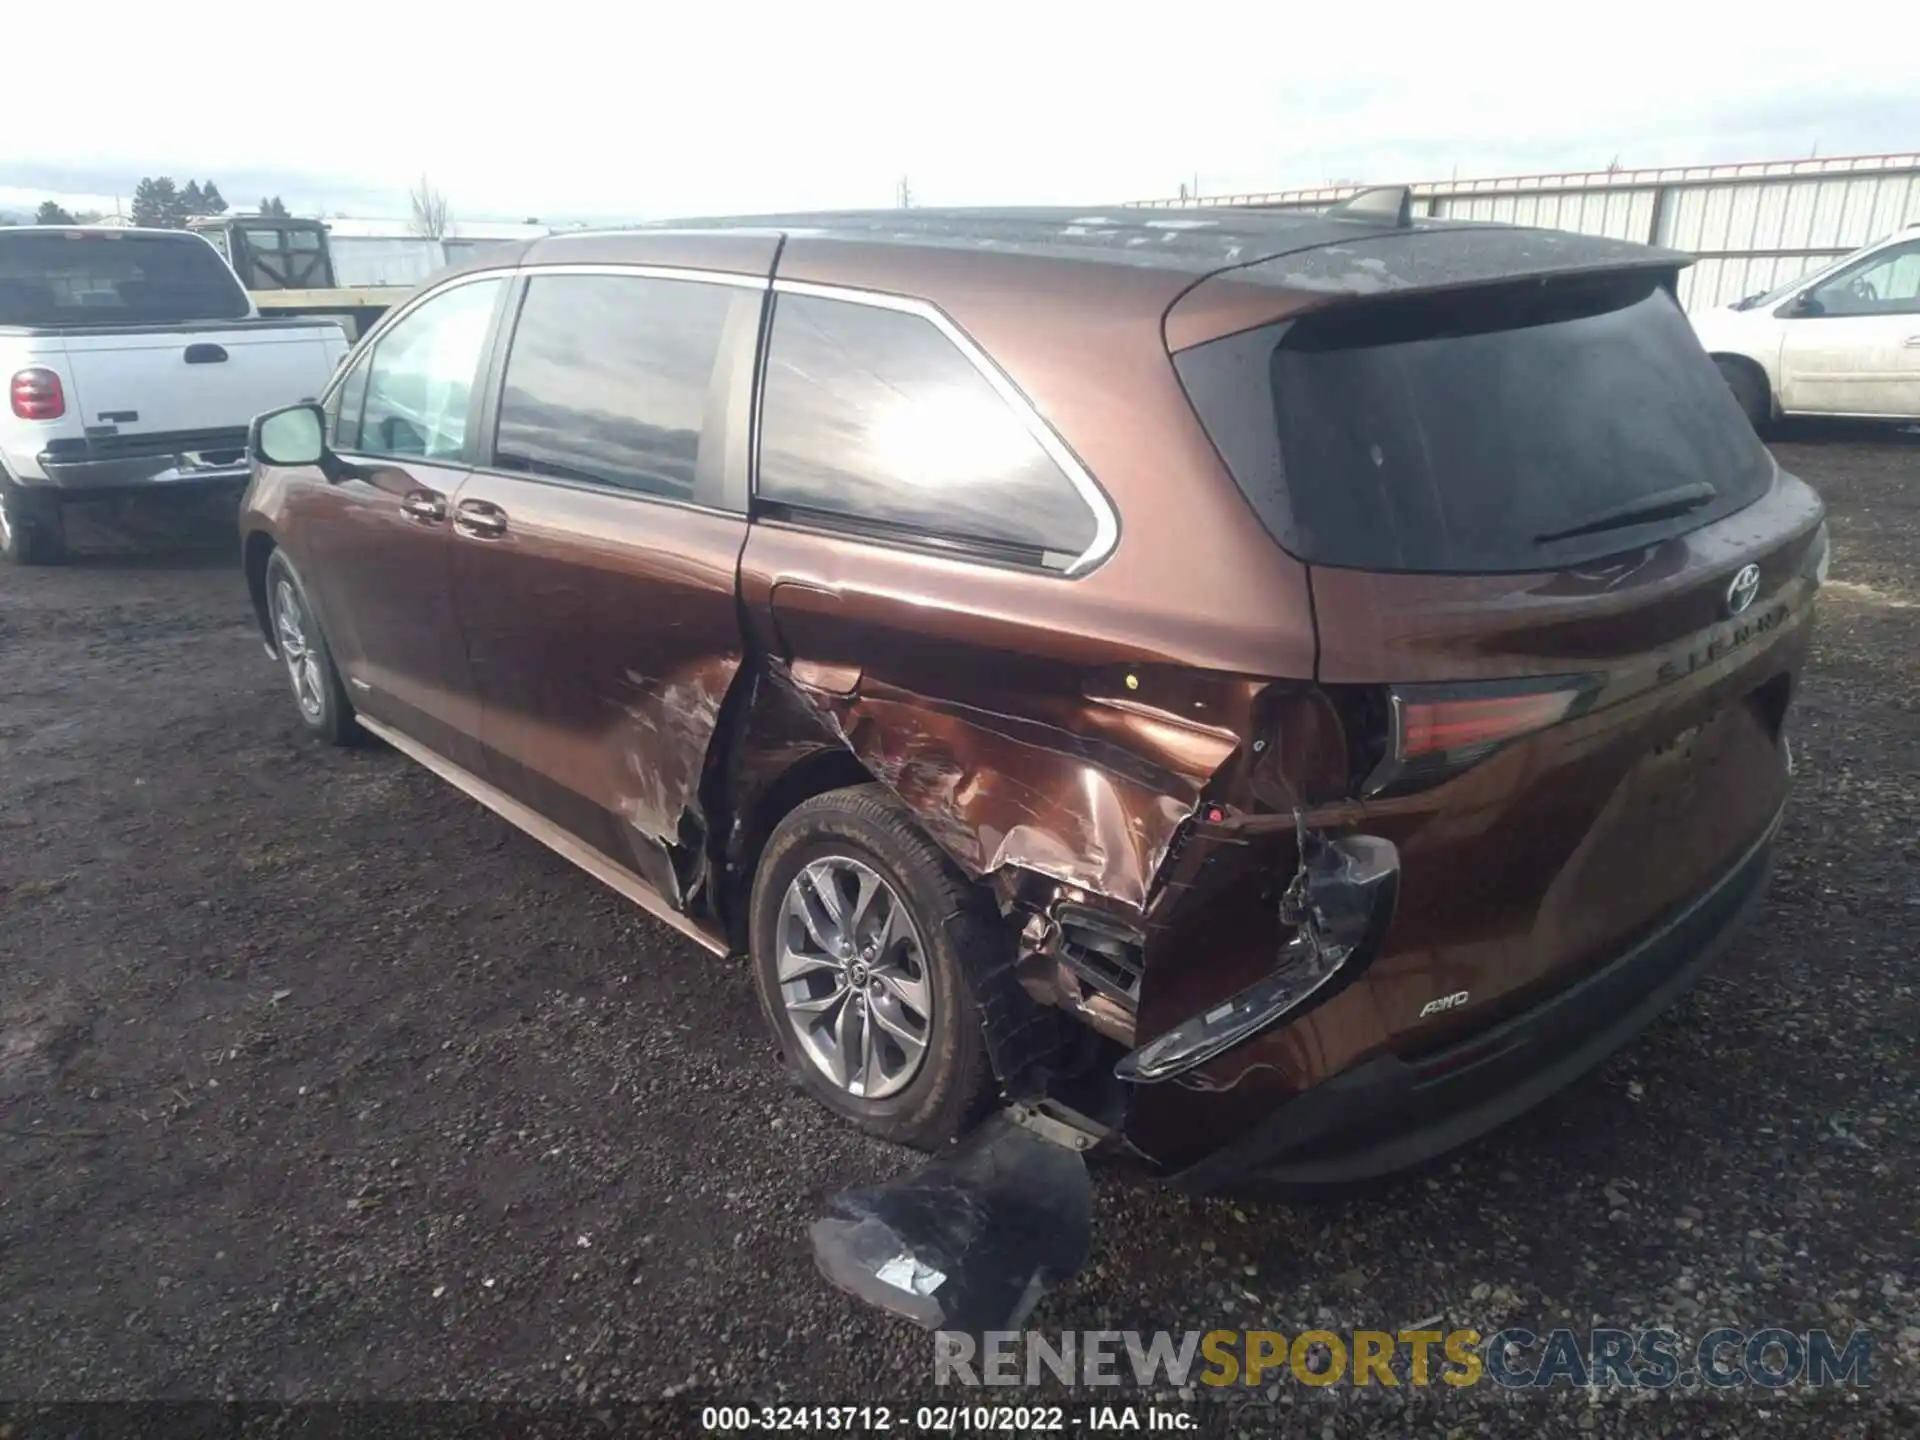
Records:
x=108, y=278
x=1500, y=431
x=280, y=259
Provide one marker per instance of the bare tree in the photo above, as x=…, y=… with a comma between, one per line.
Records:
x=429, y=210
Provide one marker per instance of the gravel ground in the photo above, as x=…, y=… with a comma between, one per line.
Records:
x=318, y=1081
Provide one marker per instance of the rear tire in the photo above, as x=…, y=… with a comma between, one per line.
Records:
x=318, y=695
x=1750, y=391
x=30, y=534
x=922, y=917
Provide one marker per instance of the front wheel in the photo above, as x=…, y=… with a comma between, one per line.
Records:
x=858, y=927
x=317, y=691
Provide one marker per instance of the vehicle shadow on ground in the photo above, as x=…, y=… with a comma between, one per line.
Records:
x=1844, y=432
x=151, y=537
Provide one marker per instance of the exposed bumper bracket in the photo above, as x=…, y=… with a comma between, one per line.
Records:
x=1344, y=898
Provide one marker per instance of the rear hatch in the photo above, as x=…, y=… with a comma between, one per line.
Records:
x=1561, y=594
x=156, y=334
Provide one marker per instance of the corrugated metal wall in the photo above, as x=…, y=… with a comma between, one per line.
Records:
x=1752, y=226
x=1753, y=235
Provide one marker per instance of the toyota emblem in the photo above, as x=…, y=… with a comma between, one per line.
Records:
x=1744, y=587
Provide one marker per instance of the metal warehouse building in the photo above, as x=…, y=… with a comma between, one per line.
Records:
x=1752, y=226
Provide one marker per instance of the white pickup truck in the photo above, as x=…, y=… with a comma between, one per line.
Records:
x=133, y=361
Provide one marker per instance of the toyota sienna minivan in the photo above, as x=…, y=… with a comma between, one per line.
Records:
x=1267, y=695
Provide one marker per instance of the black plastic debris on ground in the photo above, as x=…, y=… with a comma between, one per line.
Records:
x=970, y=1241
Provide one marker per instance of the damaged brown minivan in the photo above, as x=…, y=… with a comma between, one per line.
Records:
x=1267, y=695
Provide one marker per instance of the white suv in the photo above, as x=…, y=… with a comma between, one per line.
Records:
x=1844, y=340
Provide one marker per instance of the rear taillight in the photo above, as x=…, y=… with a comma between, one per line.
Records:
x=1436, y=731
x=1819, y=556
x=37, y=394
x=1454, y=727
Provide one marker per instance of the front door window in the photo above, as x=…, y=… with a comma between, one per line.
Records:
x=420, y=382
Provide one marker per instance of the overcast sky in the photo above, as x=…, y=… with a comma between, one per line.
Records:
x=565, y=110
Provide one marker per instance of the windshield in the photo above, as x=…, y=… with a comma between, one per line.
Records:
x=1499, y=430
x=1780, y=292
x=113, y=277
x=1768, y=297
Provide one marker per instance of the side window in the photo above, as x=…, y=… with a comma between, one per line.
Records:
x=420, y=377
x=607, y=380
x=345, y=406
x=874, y=416
x=1885, y=284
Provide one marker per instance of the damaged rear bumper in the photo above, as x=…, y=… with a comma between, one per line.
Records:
x=1393, y=1112
x=1341, y=906
x=969, y=1241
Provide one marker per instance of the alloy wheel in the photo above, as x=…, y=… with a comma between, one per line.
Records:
x=854, y=978
x=290, y=625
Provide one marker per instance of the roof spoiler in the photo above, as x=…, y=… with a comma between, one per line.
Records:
x=1378, y=202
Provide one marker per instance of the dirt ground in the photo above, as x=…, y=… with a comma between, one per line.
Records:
x=318, y=1081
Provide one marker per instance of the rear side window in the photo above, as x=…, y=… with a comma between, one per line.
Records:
x=107, y=277
x=874, y=419
x=608, y=379
x=1485, y=432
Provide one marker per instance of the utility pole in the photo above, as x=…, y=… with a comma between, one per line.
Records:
x=905, y=195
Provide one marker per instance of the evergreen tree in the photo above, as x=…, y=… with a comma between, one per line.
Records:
x=192, y=203
x=51, y=214
x=146, y=206
x=210, y=198
x=156, y=203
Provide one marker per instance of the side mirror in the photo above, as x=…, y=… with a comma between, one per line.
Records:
x=296, y=435
x=1805, y=303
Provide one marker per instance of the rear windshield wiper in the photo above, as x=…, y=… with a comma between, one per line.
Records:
x=1659, y=506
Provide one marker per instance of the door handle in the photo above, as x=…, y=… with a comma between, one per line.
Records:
x=480, y=519
x=426, y=506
